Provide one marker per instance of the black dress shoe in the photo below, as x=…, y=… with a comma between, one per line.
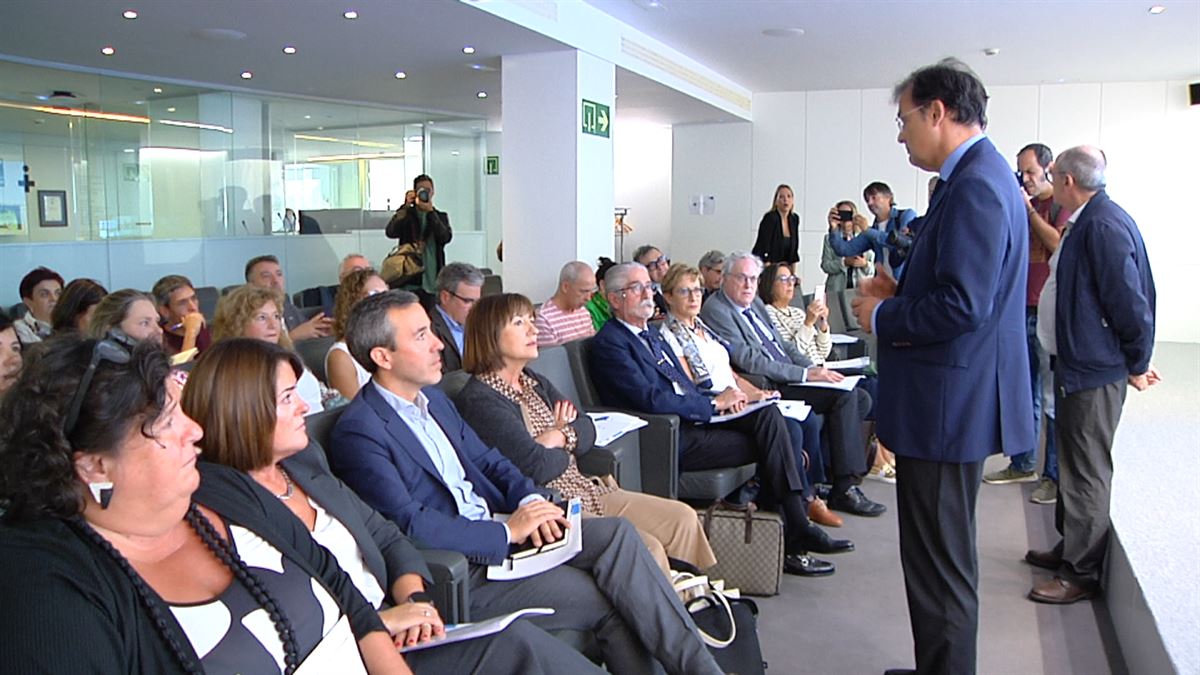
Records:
x=804, y=565
x=854, y=501
x=822, y=490
x=815, y=539
x=899, y=671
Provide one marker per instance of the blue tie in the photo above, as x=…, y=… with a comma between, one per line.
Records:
x=658, y=347
x=772, y=349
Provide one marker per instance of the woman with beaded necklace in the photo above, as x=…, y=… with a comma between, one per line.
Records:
x=113, y=561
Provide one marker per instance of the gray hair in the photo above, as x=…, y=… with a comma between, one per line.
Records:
x=113, y=309
x=1084, y=163
x=458, y=273
x=368, y=326
x=713, y=260
x=736, y=257
x=617, y=276
x=641, y=251
x=571, y=272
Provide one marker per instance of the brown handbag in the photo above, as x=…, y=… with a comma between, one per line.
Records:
x=748, y=544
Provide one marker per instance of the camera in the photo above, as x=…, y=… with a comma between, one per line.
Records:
x=899, y=241
x=845, y=215
x=423, y=195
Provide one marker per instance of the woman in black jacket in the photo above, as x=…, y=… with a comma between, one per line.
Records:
x=520, y=413
x=779, y=231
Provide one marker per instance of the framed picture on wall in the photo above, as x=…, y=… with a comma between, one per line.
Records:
x=52, y=208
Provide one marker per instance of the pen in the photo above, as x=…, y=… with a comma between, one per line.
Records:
x=601, y=418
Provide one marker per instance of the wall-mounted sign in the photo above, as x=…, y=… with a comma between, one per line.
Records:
x=595, y=118
x=491, y=167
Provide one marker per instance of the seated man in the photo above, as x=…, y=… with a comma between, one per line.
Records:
x=710, y=265
x=264, y=271
x=183, y=325
x=40, y=290
x=459, y=285
x=656, y=263
x=755, y=347
x=633, y=368
x=564, y=317
x=351, y=263
x=402, y=446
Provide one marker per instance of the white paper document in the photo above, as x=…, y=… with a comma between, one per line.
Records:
x=847, y=364
x=527, y=565
x=612, y=425
x=845, y=385
x=797, y=410
x=842, y=339
x=750, y=407
x=469, y=631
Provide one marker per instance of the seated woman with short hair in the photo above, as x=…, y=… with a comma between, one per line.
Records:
x=524, y=416
x=343, y=372
x=76, y=305
x=243, y=393
x=115, y=558
x=130, y=311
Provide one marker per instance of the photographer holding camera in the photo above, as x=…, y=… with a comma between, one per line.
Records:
x=422, y=233
x=845, y=271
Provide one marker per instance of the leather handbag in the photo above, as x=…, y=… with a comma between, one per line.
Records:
x=404, y=265
x=735, y=620
x=748, y=544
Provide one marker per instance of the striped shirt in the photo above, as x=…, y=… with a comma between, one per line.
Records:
x=556, y=326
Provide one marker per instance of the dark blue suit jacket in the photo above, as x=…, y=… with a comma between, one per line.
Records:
x=380, y=458
x=627, y=375
x=1104, y=316
x=953, y=360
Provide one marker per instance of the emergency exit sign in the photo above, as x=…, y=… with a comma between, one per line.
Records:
x=595, y=118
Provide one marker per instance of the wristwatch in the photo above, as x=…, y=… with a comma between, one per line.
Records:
x=420, y=596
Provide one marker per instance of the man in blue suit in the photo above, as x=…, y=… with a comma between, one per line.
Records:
x=402, y=446
x=953, y=366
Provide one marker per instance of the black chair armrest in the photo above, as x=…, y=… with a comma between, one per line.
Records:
x=621, y=459
x=451, y=586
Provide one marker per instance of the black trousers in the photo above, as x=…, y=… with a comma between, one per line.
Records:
x=844, y=412
x=936, y=506
x=761, y=438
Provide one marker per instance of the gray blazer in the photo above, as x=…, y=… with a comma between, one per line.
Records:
x=746, y=351
x=387, y=551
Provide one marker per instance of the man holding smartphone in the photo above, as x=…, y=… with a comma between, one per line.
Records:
x=418, y=222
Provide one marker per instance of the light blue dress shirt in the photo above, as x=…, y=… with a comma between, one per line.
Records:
x=456, y=329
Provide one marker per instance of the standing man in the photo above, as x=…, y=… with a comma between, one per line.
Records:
x=1096, y=319
x=459, y=287
x=1046, y=221
x=418, y=222
x=563, y=317
x=888, y=218
x=656, y=263
x=953, y=369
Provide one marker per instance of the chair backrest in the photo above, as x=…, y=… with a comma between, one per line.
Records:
x=841, y=319
x=313, y=352
x=553, y=364
x=492, y=285
x=317, y=296
x=207, y=296
x=453, y=382
x=577, y=357
x=17, y=311
x=320, y=426
x=228, y=289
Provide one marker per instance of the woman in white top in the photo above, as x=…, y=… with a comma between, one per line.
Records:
x=704, y=358
x=341, y=369
x=809, y=331
x=255, y=312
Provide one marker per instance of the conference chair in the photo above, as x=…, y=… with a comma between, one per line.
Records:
x=660, y=442
x=492, y=285
x=451, y=590
x=312, y=352
x=207, y=296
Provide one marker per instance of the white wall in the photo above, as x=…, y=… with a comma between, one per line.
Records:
x=829, y=144
x=642, y=183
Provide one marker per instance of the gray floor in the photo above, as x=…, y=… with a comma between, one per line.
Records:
x=856, y=622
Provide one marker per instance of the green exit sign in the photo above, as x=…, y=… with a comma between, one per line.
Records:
x=596, y=118
x=491, y=166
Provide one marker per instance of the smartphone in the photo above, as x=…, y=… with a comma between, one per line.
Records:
x=845, y=215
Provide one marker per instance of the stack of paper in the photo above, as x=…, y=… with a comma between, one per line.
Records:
x=478, y=629
x=612, y=425
x=849, y=364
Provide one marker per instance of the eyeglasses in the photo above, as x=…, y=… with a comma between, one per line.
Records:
x=465, y=301
x=660, y=260
x=744, y=278
x=900, y=121
x=689, y=292
x=637, y=289
x=787, y=279
x=108, y=349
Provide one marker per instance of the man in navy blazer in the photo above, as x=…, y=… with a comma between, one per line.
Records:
x=1096, y=319
x=953, y=366
x=402, y=446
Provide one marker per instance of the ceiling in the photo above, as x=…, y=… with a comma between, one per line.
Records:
x=862, y=44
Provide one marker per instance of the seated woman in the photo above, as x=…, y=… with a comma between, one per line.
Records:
x=243, y=393
x=106, y=535
x=342, y=371
x=255, y=312
x=75, y=306
x=130, y=311
x=809, y=331
x=521, y=414
x=705, y=360
x=10, y=354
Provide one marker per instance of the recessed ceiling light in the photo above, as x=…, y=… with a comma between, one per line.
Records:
x=783, y=32
x=1157, y=9
x=350, y=14
x=129, y=14
x=468, y=49
x=129, y=150
x=42, y=97
x=288, y=49
x=139, y=103
x=400, y=74
x=481, y=94
x=414, y=138
x=308, y=117
x=171, y=109
x=247, y=74
x=455, y=153
x=158, y=90
x=991, y=51
x=108, y=51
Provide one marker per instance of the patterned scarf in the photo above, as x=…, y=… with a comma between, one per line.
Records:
x=539, y=418
x=691, y=353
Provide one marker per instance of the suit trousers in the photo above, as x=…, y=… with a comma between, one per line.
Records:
x=669, y=527
x=613, y=589
x=936, y=506
x=1085, y=424
x=844, y=412
x=521, y=648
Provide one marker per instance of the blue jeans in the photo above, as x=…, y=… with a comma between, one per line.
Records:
x=1039, y=375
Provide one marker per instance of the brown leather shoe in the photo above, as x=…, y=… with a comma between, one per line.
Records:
x=820, y=514
x=1045, y=559
x=1059, y=591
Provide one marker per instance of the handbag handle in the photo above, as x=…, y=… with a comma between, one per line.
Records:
x=718, y=599
x=748, y=509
